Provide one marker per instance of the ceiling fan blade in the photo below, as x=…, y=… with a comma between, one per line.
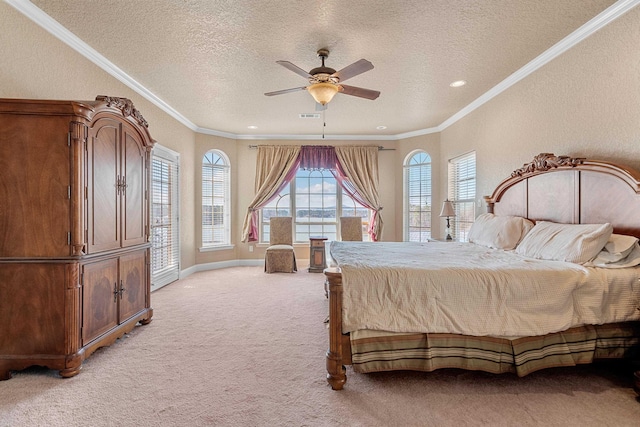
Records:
x=354, y=69
x=280, y=92
x=288, y=65
x=360, y=91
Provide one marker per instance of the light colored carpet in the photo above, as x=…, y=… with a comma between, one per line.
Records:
x=238, y=347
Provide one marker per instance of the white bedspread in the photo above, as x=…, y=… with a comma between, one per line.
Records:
x=473, y=290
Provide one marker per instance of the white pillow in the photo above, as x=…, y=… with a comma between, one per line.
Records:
x=631, y=260
x=578, y=243
x=499, y=232
x=616, y=252
x=619, y=246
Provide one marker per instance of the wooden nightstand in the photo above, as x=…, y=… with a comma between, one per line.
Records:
x=317, y=259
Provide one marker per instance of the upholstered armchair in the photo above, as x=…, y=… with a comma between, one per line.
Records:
x=280, y=256
x=350, y=228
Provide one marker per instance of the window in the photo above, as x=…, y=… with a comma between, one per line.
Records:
x=462, y=192
x=352, y=208
x=417, y=196
x=216, y=215
x=316, y=205
x=165, y=241
x=317, y=200
x=280, y=206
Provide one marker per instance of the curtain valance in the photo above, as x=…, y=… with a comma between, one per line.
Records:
x=318, y=157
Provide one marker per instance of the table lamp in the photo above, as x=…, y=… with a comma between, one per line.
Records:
x=448, y=211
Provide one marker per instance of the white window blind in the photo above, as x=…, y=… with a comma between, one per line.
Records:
x=216, y=205
x=165, y=240
x=462, y=192
x=417, y=172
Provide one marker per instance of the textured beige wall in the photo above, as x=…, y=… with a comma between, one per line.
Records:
x=37, y=65
x=584, y=103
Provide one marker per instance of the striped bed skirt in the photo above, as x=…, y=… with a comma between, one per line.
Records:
x=375, y=351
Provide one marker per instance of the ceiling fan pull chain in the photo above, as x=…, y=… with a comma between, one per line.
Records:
x=324, y=121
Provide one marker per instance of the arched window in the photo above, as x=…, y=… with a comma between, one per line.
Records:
x=417, y=197
x=216, y=205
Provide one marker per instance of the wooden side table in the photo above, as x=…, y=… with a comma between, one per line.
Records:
x=317, y=258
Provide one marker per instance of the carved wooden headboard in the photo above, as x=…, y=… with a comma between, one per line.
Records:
x=573, y=191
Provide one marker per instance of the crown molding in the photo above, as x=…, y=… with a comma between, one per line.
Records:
x=323, y=138
x=207, y=131
x=418, y=133
x=610, y=14
x=303, y=137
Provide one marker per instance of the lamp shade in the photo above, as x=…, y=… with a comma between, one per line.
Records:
x=447, y=209
x=323, y=92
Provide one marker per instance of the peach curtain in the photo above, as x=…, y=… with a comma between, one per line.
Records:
x=359, y=165
x=276, y=165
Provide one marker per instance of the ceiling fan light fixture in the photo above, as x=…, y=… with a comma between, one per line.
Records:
x=325, y=82
x=323, y=93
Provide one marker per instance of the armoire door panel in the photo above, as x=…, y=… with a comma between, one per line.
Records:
x=103, y=190
x=133, y=284
x=99, y=298
x=133, y=200
x=34, y=207
x=33, y=305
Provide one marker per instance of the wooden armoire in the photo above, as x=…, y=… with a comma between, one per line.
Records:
x=74, y=229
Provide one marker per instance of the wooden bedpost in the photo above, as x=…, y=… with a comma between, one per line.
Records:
x=336, y=372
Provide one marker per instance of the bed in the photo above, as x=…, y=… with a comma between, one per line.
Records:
x=506, y=302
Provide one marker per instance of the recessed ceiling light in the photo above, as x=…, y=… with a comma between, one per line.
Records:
x=252, y=127
x=458, y=83
x=381, y=127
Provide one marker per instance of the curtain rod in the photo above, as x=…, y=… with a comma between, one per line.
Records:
x=380, y=147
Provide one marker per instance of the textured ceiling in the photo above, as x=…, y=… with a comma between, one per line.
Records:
x=212, y=61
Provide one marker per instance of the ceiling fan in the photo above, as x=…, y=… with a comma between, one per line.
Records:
x=325, y=82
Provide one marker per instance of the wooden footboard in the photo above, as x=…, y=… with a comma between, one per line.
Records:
x=339, y=353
